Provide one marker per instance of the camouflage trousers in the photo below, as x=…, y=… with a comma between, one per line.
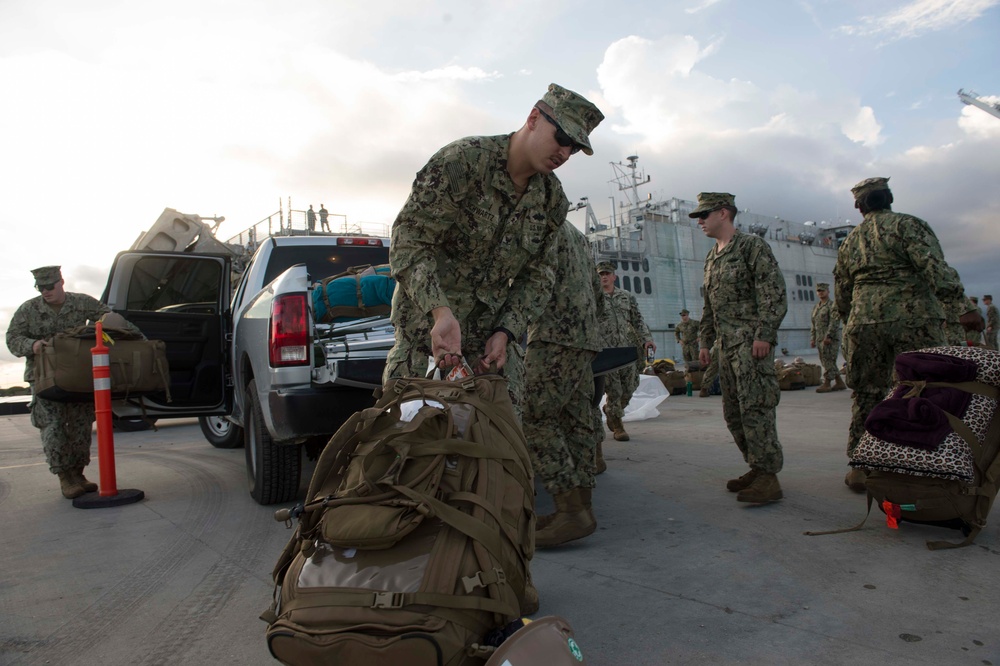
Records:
x=828, y=359
x=990, y=339
x=872, y=350
x=410, y=356
x=750, y=395
x=558, y=415
x=712, y=370
x=66, y=429
x=690, y=352
x=619, y=386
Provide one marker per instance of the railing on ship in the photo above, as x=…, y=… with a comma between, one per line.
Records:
x=296, y=223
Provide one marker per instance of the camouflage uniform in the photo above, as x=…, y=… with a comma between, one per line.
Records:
x=621, y=326
x=826, y=324
x=464, y=240
x=562, y=343
x=65, y=426
x=468, y=240
x=992, y=323
x=893, y=290
x=687, y=334
x=745, y=301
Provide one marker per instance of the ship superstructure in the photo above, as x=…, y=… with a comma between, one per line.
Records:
x=660, y=254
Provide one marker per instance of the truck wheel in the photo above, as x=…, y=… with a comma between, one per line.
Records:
x=220, y=432
x=273, y=470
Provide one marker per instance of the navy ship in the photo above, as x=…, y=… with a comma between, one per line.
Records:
x=659, y=253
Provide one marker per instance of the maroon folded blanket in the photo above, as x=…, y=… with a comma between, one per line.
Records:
x=920, y=421
x=915, y=422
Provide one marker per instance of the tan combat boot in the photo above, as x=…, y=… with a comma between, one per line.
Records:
x=81, y=480
x=839, y=385
x=825, y=388
x=704, y=393
x=855, y=480
x=70, y=487
x=571, y=521
x=736, y=485
x=599, y=461
x=765, y=488
x=617, y=429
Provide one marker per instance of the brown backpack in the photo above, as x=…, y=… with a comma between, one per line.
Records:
x=415, y=536
x=64, y=370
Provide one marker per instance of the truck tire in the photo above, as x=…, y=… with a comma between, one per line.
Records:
x=273, y=470
x=221, y=432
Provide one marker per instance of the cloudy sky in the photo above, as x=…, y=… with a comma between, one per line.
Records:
x=112, y=111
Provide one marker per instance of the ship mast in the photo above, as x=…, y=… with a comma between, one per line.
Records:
x=628, y=178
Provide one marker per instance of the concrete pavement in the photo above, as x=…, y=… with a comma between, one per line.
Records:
x=678, y=572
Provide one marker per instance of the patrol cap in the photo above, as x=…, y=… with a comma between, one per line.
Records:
x=47, y=275
x=975, y=299
x=574, y=113
x=985, y=296
x=709, y=201
x=605, y=267
x=684, y=312
x=113, y=320
x=822, y=286
x=869, y=185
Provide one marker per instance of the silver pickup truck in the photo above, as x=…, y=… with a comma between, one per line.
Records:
x=256, y=368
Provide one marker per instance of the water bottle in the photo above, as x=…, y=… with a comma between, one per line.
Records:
x=650, y=355
x=690, y=388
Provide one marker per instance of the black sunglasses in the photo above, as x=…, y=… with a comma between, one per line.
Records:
x=705, y=213
x=46, y=287
x=562, y=138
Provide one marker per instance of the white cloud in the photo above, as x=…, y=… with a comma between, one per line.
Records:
x=979, y=123
x=449, y=73
x=704, y=4
x=919, y=17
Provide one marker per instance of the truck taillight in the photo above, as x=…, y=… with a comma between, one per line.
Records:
x=374, y=242
x=289, y=339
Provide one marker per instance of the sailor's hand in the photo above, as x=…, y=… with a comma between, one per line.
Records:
x=37, y=345
x=495, y=352
x=761, y=349
x=704, y=357
x=446, y=338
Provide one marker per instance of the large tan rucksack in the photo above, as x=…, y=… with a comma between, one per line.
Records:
x=64, y=371
x=415, y=536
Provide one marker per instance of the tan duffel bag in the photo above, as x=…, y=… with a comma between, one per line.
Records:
x=64, y=371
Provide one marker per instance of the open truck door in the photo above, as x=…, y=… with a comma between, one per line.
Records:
x=182, y=299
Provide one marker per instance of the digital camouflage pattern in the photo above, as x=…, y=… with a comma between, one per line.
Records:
x=869, y=185
x=464, y=239
x=993, y=325
x=826, y=324
x=65, y=427
x=621, y=326
x=686, y=333
x=46, y=275
x=558, y=419
x=870, y=367
x=574, y=113
x=709, y=201
x=894, y=290
x=570, y=316
x=891, y=268
x=745, y=301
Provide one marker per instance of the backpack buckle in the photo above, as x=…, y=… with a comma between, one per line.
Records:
x=387, y=600
x=484, y=578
